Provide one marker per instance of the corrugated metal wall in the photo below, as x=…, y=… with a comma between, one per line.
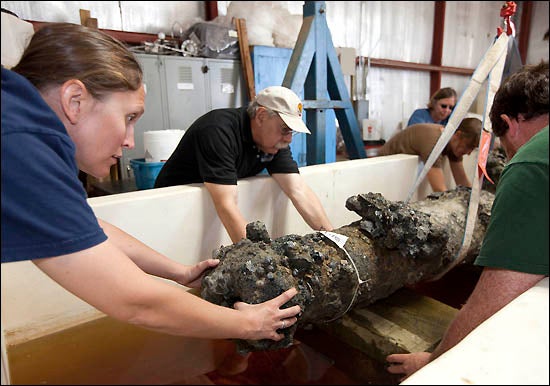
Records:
x=398, y=30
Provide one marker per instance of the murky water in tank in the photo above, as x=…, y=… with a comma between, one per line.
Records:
x=106, y=351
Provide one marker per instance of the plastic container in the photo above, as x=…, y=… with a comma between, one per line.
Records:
x=145, y=172
x=372, y=147
x=160, y=144
x=371, y=130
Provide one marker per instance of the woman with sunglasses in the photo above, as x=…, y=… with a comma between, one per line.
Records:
x=439, y=108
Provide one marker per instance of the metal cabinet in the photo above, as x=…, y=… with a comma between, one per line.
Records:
x=186, y=91
x=226, y=84
x=156, y=112
x=181, y=89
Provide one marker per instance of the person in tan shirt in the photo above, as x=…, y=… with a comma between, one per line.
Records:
x=421, y=138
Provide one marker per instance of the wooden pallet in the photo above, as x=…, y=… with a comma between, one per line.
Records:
x=404, y=322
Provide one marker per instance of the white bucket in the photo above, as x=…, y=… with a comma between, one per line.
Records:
x=160, y=144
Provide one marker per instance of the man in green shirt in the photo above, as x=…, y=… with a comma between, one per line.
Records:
x=514, y=252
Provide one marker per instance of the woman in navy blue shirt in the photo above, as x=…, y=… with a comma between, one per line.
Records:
x=71, y=104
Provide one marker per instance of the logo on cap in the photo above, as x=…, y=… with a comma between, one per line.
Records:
x=286, y=103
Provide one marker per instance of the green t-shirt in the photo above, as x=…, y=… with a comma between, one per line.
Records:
x=517, y=235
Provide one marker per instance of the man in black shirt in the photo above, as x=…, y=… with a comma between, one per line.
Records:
x=225, y=145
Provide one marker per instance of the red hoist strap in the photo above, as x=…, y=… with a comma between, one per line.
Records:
x=507, y=11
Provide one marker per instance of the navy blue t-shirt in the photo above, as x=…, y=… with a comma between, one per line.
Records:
x=218, y=148
x=44, y=207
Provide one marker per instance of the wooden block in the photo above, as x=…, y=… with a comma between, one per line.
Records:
x=84, y=15
x=403, y=322
x=246, y=62
x=86, y=19
x=91, y=22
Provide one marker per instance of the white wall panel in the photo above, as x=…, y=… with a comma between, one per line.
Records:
x=470, y=29
x=153, y=17
x=132, y=16
x=394, y=95
x=107, y=12
x=537, y=48
x=399, y=30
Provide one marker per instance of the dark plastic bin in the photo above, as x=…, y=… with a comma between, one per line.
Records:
x=145, y=172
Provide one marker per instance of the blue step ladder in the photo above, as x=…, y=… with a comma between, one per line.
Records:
x=314, y=67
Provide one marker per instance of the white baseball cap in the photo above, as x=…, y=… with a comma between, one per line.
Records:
x=286, y=103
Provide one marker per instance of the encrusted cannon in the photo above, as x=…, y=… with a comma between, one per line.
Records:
x=393, y=245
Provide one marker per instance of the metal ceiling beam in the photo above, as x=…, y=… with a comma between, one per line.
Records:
x=437, y=44
x=210, y=10
x=525, y=28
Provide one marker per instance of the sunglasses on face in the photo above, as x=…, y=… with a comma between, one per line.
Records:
x=444, y=106
x=286, y=131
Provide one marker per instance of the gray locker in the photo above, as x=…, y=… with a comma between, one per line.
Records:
x=181, y=89
x=186, y=90
x=156, y=112
x=226, y=86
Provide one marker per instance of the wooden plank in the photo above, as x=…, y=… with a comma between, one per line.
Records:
x=353, y=362
x=132, y=38
x=86, y=19
x=84, y=15
x=403, y=322
x=246, y=62
x=401, y=65
x=437, y=45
